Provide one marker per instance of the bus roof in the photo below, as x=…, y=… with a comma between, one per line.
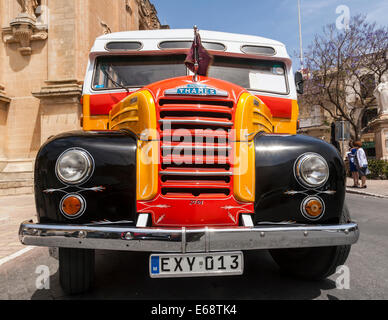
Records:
x=150, y=40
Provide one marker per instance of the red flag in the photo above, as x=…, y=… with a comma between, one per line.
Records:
x=198, y=54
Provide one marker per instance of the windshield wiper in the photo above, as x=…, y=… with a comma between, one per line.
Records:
x=106, y=73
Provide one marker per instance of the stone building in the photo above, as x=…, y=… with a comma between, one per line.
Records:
x=316, y=122
x=43, y=56
x=313, y=121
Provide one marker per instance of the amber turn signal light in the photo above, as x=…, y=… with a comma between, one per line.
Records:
x=72, y=206
x=313, y=207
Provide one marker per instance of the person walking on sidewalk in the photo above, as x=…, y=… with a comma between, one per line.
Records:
x=352, y=164
x=361, y=163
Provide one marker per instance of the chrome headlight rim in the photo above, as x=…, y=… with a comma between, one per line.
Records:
x=83, y=205
x=303, y=208
x=88, y=173
x=299, y=176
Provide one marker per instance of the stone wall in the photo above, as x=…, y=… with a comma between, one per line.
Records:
x=43, y=59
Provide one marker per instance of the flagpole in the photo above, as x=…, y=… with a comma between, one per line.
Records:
x=196, y=56
x=300, y=37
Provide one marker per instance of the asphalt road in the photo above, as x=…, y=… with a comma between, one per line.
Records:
x=124, y=275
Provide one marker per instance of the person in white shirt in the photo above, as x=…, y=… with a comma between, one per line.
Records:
x=361, y=163
x=352, y=164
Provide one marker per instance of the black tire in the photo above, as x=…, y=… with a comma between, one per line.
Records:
x=76, y=270
x=313, y=263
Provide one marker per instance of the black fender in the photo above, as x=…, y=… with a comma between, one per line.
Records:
x=110, y=193
x=279, y=195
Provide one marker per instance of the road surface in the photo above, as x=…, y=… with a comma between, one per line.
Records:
x=124, y=275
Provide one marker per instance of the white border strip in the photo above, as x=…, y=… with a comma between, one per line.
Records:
x=15, y=255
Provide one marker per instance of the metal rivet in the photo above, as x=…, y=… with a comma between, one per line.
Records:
x=305, y=233
x=128, y=236
x=262, y=234
x=346, y=231
x=82, y=234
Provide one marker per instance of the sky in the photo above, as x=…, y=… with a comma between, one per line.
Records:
x=274, y=19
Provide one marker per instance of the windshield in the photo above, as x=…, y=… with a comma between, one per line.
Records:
x=260, y=75
x=137, y=71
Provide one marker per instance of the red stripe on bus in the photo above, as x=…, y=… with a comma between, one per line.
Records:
x=280, y=107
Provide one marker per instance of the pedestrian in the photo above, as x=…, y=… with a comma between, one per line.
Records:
x=361, y=163
x=352, y=164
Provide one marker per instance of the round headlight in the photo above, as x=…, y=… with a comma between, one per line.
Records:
x=312, y=170
x=74, y=166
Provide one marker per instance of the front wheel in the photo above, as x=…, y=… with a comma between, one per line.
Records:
x=313, y=263
x=76, y=270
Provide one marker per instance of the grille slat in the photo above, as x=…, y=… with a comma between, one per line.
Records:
x=196, y=192
x=196, y=173
x=197, y=147
x=194, y=184
x=163, y=102
x=194, y=108
x=195, y=135
x=196, y=121
x=177, y=159
x=194, y=166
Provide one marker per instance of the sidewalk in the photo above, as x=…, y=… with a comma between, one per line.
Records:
x=375, y=188
x=13, y=211
x=16, y=209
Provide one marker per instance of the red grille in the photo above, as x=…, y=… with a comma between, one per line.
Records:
x=195, y=147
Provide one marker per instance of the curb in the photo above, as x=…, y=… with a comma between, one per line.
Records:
x=353, y=191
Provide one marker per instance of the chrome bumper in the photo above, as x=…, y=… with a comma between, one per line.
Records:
x=187, y=239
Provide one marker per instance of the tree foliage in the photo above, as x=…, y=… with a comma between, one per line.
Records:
x=344, y=67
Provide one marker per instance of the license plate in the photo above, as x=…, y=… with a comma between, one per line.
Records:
x=196, y=264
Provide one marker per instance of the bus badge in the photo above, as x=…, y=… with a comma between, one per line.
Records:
x=196, y=89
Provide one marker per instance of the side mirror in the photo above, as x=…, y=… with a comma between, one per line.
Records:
x=299, y=82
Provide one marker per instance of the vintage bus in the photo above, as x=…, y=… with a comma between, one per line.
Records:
x=193, y=169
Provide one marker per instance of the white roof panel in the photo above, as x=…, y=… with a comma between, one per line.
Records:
x=182, y=34
x=151, y=38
